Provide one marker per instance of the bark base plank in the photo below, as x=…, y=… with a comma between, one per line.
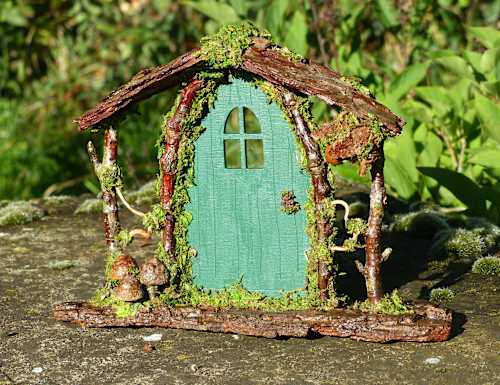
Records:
x=427, y=323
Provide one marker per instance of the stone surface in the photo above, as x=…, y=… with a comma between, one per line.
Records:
x=29, y=338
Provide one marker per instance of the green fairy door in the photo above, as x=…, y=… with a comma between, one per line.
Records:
x=244, y=160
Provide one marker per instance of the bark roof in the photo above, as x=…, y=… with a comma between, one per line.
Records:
x=263, y=59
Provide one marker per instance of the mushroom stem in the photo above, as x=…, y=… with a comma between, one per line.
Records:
x=152, y=292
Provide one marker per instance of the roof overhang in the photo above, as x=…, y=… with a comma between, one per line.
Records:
x=261, y=59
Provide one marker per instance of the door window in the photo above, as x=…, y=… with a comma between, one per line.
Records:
x=243, y=141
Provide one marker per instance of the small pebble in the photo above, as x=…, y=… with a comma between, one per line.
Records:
x=148, y=348
x=236, y=336
x=432, y=360
x=37, y=370
x=152, y=338
x=194, y=368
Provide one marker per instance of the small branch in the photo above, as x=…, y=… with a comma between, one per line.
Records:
x=321, y=187
x=127, y=205
x=461, y=157
x=61, y=186
x=360, y=267
x=373, y=250
x=111, y=219
x=448, y=210
x=319, y=37
x=94, y=160
x=168, y=161
x=444, y=136
x=386, y=254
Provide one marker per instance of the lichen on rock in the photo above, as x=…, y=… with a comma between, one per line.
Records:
x=20, y=213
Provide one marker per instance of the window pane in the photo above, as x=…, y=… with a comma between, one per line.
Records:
x=252, y=125
x=232, y=153
x=254, y=150
x=232, y=125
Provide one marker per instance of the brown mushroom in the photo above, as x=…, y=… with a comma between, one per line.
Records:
x=153, y=274
x=122, y=267
x=129, y=289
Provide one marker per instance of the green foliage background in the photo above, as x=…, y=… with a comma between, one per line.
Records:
x=436, y=63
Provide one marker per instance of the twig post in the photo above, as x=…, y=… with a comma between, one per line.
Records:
x=321, y=187
x=111, y=221
x=373, y=250
x=168, y=162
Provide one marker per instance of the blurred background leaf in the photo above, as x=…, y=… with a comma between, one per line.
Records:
x=436, y=63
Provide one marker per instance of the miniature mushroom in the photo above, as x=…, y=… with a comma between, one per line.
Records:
x=129, y=289
x=122, y=267
x=152, y=274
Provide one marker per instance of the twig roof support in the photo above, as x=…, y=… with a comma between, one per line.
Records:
x=261, y=59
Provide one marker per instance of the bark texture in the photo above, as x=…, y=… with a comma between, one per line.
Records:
x=426, y=324
x=111, y=221
x=168, y=162
x=110, y=207
x=143, y=85
x=314, y=79
x=373, y=249
x=261, y=59
x=321, y=187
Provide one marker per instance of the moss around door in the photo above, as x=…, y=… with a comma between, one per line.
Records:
x=244, y=160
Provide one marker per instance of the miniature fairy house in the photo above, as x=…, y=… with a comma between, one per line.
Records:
x=245, y=190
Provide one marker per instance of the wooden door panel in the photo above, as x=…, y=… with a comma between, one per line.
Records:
x=238, y=228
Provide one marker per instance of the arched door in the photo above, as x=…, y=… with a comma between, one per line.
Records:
x=246, y=158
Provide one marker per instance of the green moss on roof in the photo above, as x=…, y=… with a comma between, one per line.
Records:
x=225, y=48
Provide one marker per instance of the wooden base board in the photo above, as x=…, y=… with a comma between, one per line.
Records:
x=427, y=323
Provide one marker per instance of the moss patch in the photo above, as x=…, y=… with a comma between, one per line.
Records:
x=461, y=243
x=236, y=296
x=109, y=176
x=424, y=223
x=122, y=309
x=441, y=295
x=20, y=213
x=389, y=304
x=488, y=265
x=225, y=48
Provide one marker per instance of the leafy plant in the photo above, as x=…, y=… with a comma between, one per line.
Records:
x=433, y=62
